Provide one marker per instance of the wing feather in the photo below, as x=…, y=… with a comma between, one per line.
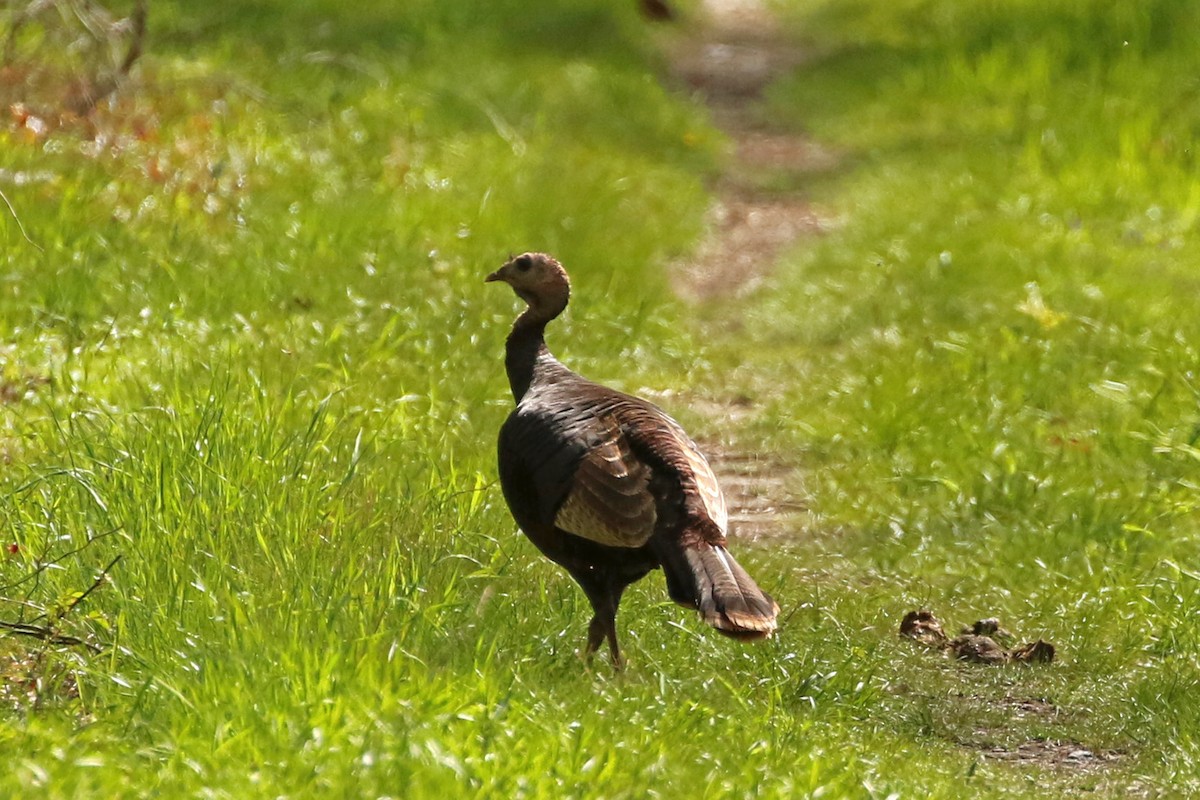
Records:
x=610, y=500
x=604, y=466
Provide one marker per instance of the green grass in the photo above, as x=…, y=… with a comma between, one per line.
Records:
x=989, y=369
x=262, y=368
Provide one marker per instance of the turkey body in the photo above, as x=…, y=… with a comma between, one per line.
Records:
x=608, y=485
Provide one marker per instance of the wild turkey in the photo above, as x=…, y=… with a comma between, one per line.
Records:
x=607, y=485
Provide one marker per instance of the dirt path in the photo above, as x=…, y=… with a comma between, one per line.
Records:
x=730, y=56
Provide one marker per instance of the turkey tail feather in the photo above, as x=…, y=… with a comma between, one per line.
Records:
x=727, y=597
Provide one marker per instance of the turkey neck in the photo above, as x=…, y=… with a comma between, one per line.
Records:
x=526, y=350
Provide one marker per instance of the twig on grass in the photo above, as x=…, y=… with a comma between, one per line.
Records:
x=17, y=219
x=91, y=96
x=48, y=633
x=95, y=585
x=41, y=565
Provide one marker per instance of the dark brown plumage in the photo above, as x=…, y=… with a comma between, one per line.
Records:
x=656, y=10
x=608, y=485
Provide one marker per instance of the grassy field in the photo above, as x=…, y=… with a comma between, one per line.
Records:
x=252, y=355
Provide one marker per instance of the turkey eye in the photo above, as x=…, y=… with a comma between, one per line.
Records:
x=523, y=264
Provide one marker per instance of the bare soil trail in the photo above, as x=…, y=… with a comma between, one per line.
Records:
x=729, y=56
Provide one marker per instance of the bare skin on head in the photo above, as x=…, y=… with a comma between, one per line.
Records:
x=608, y=485
x=538, y=280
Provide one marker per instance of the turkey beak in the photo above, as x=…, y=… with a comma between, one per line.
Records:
x=495, y=276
